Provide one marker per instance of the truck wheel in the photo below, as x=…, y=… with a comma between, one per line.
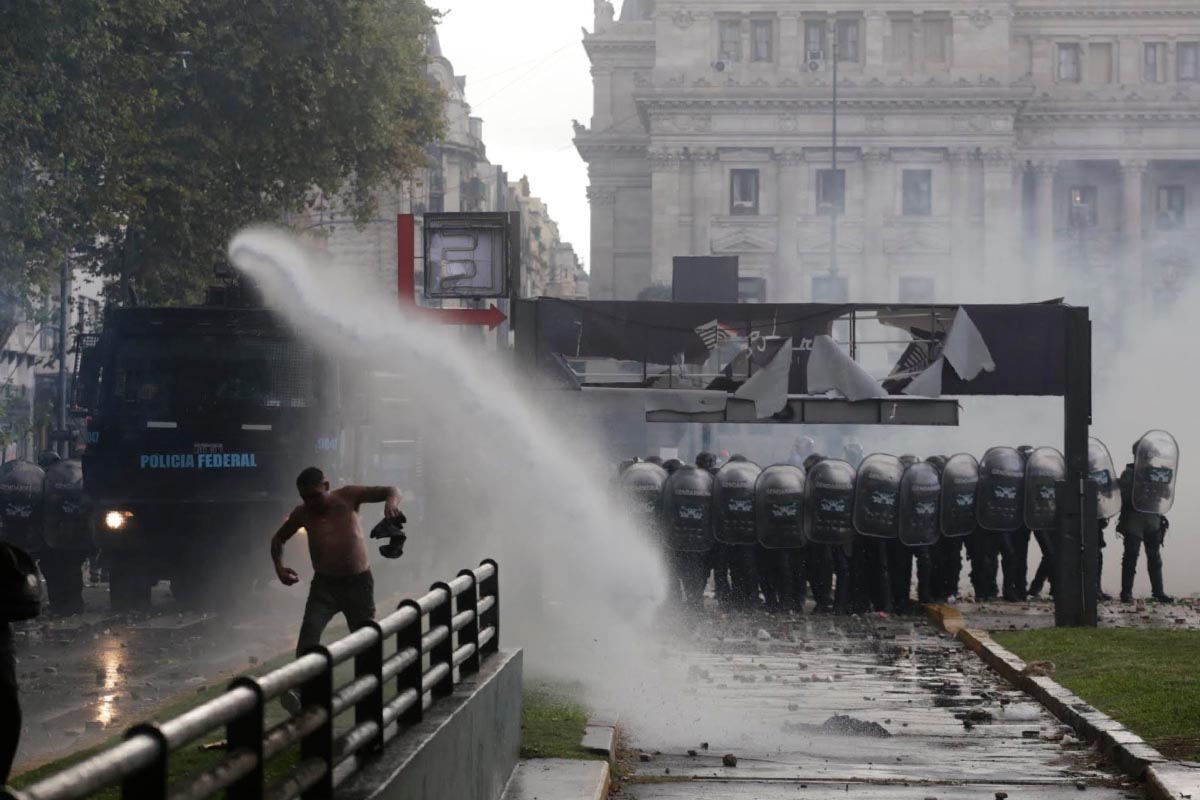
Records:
x=63, y=571
x=128, y=583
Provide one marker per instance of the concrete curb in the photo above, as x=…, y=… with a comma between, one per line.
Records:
x=559, y=779
x=1164, y=779
x=600, y=738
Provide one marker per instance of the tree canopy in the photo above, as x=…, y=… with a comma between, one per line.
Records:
x=137, y=135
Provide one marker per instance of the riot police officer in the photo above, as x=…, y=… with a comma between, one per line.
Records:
x=1140, y=529
x=719, y=555
x=821, y=564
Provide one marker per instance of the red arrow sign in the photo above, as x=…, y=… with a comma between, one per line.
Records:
x=467, y=316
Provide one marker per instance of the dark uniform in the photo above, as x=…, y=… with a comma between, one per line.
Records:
x=1140, y=529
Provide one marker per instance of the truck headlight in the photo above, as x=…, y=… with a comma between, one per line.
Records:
x=117, y=520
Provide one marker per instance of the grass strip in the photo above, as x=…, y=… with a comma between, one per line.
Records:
x=552, y=723
x=1144, y=679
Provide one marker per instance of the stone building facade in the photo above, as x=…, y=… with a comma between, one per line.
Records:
x=1003, y=149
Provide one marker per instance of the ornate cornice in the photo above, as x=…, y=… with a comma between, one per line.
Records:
x=790, y=157
x=961, y=156
x=876, y=156
x=1079, y=10
x=998, y=158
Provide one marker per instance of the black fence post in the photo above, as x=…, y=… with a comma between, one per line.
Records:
x=410, y=677
x=470, y=633
x=490, y=587
x=370, y=708
x=318, y=692
x=246, y=733
x=442, y=615
x=149, y=783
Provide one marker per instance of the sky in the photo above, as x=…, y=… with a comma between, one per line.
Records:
x=528, y=77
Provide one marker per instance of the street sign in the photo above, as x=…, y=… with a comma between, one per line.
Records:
x=492, y=317
x=467, y=255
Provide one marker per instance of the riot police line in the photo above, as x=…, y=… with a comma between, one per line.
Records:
x=848, y=537
x=44, y=513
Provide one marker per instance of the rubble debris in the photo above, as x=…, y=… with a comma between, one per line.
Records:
x=845, y=725
x=729, y=760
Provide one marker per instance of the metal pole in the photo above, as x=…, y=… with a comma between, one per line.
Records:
x=64, y=298
x=833, y=211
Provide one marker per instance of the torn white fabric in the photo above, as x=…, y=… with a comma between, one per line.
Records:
x=929, y=382
x=830, y=367
x=768, y=387
x=965, y=348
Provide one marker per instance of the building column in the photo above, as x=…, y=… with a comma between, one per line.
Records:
x=1133, y=174
x=999, y=228
x=704, y=194
x=1043, y=226
x=791, y=42
x=873, y=39
x=602, y=116
x=961, y=250
x=665, y=210
x=603, y=200
x=787, y=283
x=878, y=197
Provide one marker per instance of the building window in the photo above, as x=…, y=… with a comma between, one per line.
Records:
x=48, y=341
x=743, y=192
x=731, y=40
x=831, y=191
x=1068, y=62
x=918, y=192
x=752, y=290
x=1083, y=207
x=814, y=39
x=829, y=289
x=916, y=290
x=1187, y=54
x=763, y=40
x=1100, y=63
x=935, y=31
x=1154, y=63
x=1172, y=201
x=902, y=35
x=847, y=39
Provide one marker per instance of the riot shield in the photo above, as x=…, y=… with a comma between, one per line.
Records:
x=1102, y=470
x=1044, y=469
x=733, y=503
x=829, y=503
x=67, y=519
x=21, y=505
x=876, y=494
x=687, y=510
x=920, y=498
x=779, y=506
x=642, y=488
x=1000, y=501
x=960, y=480
x=1155, y=469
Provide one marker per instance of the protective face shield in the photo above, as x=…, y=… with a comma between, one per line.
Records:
x=642, y=491
x=687, y=510
x=853, y=454
x=938, y=462
x=779, y=507
x=908, y=460
x=733, y=503
x=920, y=500
x=960, y=483
x=1043, y=470
x=1102, y=470
x=1000, y=502
x=877, y=495
x=803, y=446
x=672, y=464
x=21, y=503
x=829, y=503
x=1155, y=470
x=67, y=517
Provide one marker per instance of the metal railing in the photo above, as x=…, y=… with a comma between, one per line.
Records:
x=439, y=638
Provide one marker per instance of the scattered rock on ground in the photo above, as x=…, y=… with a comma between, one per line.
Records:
x=845, y=725
x=729, y=760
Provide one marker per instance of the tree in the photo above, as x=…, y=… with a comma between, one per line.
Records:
x=136, y=136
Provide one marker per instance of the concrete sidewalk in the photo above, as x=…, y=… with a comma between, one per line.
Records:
x=953, y=728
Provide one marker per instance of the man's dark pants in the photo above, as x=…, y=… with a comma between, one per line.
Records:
x=328, y=596
x=10, y=708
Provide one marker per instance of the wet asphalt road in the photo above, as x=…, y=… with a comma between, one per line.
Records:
x=914, y=683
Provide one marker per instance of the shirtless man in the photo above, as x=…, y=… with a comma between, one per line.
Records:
x=342, y=581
